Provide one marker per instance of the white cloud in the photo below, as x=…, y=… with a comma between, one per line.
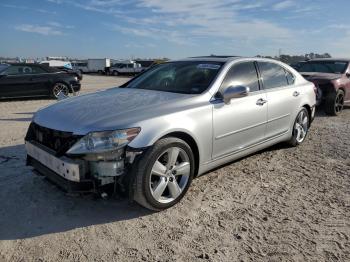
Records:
x=28, y=8
x=42, y=30
x=55, y=1
x=206, y=18
x=59, y=25
x=283, y=5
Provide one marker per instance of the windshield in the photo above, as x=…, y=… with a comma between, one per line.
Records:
x=334, y=67
x=186, y=77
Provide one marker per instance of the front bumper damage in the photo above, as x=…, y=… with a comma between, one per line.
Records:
x=86, y=173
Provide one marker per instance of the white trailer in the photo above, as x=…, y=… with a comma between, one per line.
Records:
x=98, y=65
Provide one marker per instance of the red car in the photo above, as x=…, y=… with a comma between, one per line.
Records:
x=332, y=80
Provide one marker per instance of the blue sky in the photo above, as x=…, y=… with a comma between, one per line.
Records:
x=172, y=28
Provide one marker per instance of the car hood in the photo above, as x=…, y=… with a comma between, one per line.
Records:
x=112, y=109
x=311, y=76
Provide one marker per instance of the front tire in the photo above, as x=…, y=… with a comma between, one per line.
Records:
x=335, y=103
x=59, y=88
x=300, y=128
x=164, y=174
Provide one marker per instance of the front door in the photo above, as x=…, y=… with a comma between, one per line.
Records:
x=13, y=81
x=242, y=123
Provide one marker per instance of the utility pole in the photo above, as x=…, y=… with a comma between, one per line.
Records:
x=279, y=53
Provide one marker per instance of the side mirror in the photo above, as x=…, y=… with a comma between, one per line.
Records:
x=235, y=92
x=348, y=75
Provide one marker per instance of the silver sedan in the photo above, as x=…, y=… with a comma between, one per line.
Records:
x=172, y=123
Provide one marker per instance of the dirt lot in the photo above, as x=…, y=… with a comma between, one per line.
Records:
x=282, y=204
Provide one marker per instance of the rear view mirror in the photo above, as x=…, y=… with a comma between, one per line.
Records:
x=235, y=92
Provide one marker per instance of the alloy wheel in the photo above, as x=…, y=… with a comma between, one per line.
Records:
x=339, y=103
x=170, y=175
x=60, y=88
x=301, y=126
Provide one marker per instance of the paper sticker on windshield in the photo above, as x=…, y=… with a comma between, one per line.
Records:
x=208, y=66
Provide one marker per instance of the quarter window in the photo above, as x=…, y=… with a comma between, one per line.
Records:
x=242, y=74
x=290, y=77
x=273, y=75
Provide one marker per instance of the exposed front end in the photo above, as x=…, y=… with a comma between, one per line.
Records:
x=60, y=156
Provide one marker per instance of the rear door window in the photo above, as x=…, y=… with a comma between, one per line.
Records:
x=273, y=75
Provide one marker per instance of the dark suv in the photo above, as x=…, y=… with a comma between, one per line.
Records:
x=332, y=80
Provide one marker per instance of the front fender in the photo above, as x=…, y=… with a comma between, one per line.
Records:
x=196, y=123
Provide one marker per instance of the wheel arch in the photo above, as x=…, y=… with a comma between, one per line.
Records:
x=309, y=111
x=342, y=88
x=191, y=142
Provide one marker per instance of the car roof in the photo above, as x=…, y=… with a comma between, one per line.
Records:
x=330, y=59
x=212, y=58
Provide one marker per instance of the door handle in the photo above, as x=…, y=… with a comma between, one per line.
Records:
x=261, y=102
x=296, y=93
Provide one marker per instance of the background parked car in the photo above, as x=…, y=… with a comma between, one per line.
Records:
x=81, y=66
x=297, y=65
x=28, y=80
x=128, y=68
x=174, y=122
x=332, y=80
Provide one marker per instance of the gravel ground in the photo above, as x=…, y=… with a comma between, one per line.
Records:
x=282, y=204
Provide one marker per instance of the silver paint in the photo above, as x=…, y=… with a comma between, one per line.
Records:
x=222, y=132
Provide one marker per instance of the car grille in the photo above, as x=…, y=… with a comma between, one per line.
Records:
x=58, y=141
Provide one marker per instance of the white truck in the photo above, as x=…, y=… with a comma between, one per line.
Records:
x=127, y=68
x=98, y=65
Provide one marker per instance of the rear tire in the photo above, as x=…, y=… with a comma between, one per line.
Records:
x=163, y=174
x=115, y=73
x=300, y=128
x=335, y=103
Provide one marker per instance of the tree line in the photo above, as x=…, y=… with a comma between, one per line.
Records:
x=291, y=59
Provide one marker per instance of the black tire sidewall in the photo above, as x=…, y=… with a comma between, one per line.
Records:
x=146, y=165
x=330, y=103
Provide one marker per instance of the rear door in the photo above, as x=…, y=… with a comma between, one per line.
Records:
x=282, y=96
x=242, y=123
x=40, y=80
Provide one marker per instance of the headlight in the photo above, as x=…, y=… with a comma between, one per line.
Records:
x=100, y=142
x=76, y=79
